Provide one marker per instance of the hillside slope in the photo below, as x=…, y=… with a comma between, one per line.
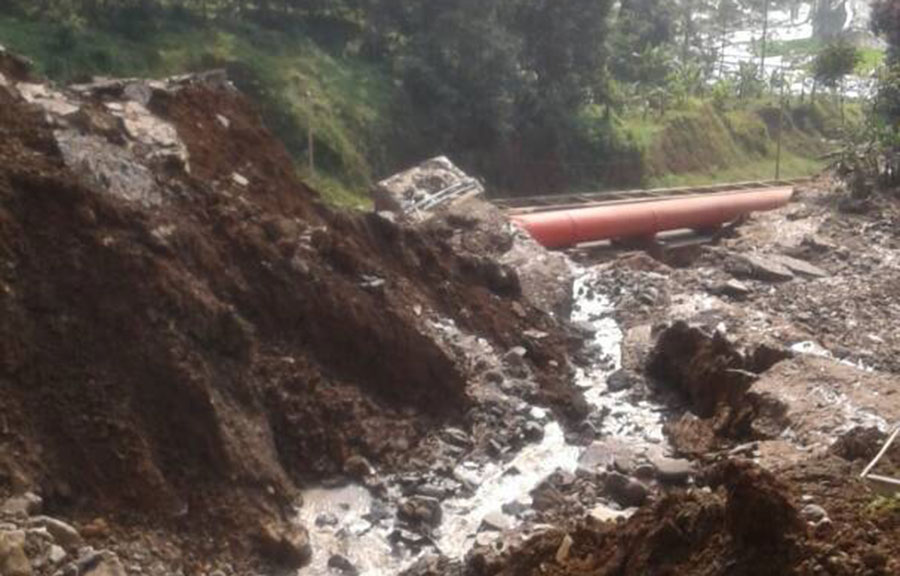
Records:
x=188, y=332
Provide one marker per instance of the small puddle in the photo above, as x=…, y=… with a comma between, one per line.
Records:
x=336, y=524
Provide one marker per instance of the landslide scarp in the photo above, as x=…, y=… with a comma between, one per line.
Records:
x=188, y=334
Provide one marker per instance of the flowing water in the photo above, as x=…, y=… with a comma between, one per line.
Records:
x=344, y=525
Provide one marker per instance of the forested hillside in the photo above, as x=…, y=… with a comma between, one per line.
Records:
x=535, y=96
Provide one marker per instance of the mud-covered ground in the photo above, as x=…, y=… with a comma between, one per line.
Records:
x=205, y=370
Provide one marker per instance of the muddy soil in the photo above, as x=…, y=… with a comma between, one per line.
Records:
x=189, y=335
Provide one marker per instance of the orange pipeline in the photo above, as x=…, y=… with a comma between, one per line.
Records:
x=566, y=228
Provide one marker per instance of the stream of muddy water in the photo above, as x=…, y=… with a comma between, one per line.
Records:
x=340, y=520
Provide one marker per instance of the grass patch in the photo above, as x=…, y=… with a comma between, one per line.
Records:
x=870, y=60
x=707, y=146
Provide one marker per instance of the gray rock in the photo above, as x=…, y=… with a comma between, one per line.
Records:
x=620, y=380
x=326, y=519
x=13, y=560
x=26, y=504
x=408, y=537
x=485, y=539
x=64, y=534
x=418, y=189
x=761, y=267
x=671, y=470
x=735, y=289
x=800, y=267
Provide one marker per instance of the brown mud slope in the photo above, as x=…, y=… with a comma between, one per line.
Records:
x=191, y=345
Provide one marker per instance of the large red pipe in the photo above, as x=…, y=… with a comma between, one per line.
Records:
x=566, y=228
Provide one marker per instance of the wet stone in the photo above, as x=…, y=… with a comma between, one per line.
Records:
x=63, y=533
x=735, y=288
x=342, y=565
x=408, y=537
x=515, y=508
x=620, y=380
x=421, y=510
x=326, y=519
x=457, y=437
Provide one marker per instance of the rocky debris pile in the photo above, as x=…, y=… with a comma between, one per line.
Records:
x=189, y=333
x=416, y=192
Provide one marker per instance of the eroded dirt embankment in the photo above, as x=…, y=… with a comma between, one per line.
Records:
x=188, y=334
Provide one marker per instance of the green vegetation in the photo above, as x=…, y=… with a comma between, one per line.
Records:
x=536, y=96
x=870, y=60
x=706, y=145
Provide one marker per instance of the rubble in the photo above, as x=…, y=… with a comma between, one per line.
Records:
x=419, y=190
